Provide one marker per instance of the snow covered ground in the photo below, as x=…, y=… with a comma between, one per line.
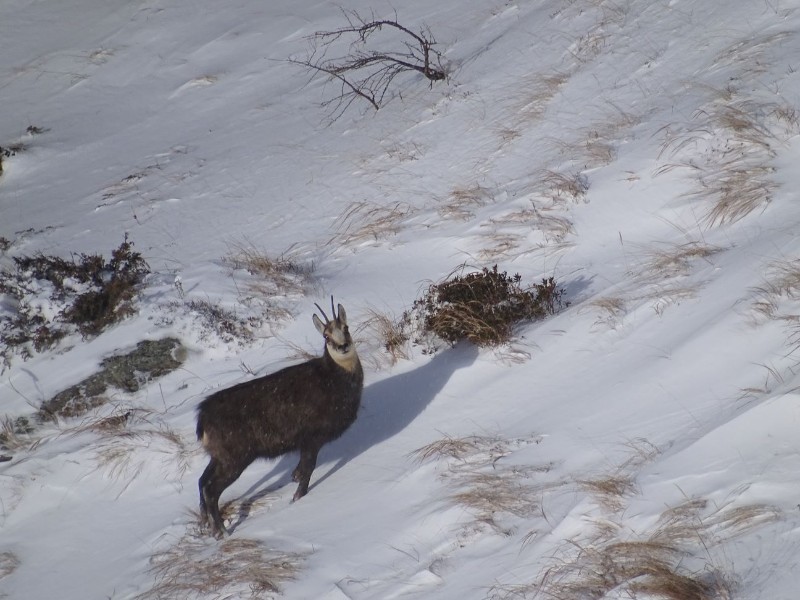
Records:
x=642, y=152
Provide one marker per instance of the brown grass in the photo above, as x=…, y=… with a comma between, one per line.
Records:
x=388, y=339
x=565, y=186
x=195, y=566
x=488, y=448
x=661, y=277
x=676, y=259
x=503, y=491
x=672, y=563
x=128, y=438
x=284, y=275
x=637, y=566
x=610, y=490
x=612, y=309
x=782, y=280
x=484, y=487
x=227, y=324
x=736, y=191
x=728, y=153
x=501, y=245
x=691, y=521
x=449, y=447
x=364, y=221
x=463, y=200
x=554, y=227
x=750, y=53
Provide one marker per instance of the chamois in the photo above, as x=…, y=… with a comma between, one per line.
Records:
x=301, y=407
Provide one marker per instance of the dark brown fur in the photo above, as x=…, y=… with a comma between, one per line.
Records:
x=301, y=407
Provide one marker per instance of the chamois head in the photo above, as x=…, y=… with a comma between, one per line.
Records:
x=338, y=342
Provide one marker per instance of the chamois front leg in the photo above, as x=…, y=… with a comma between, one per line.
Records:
x=303, y=470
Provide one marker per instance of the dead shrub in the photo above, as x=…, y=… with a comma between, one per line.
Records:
x=196, y=567
x=85, y=294
x=484, y=306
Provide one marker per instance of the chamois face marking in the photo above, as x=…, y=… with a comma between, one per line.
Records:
x=338, y=341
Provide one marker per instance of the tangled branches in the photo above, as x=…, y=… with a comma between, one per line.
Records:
x=364, y=72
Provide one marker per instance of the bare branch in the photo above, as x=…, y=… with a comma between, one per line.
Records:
x=364, y=72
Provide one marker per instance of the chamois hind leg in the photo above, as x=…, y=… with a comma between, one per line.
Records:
x=214, y=480
x=302, y=473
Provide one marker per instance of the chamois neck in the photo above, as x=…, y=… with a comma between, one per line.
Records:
x=348, y=361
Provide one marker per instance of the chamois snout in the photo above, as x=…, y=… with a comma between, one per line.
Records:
x=299, y=408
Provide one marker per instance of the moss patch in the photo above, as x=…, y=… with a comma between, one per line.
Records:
x=128, y=372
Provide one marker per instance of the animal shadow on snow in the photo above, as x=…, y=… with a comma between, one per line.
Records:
x=387, y=407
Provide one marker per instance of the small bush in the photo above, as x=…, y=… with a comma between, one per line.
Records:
x=50, y=297
x=484, y=306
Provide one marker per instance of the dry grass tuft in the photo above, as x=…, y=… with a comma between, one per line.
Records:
x=676, y=260
x=737, y=190
x=281, y=275
x=691, y=522
x=462, y=202
x=481, y=485
x=196, y=566
x=663, y=565
x=782, y=280
x=487, y=494
x=364, y=221
x=729, y=153
x=565, y=186
x=749, y=55
x=648, y=567
x=15, y=433
x=553, y=227
x=677, y=558
x=612, y=310
x=487, y=449
x=128, y=439
x=662, y=277
x=610, y=490
x=389, y=335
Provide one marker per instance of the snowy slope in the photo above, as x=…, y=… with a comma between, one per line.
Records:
x=643, y=153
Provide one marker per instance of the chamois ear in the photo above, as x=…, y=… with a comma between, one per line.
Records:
x=341, y=316
x=319, y=324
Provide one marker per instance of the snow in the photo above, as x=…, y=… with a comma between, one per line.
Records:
x=588, y=140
